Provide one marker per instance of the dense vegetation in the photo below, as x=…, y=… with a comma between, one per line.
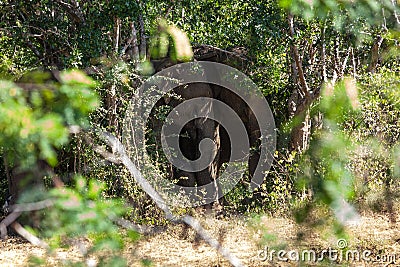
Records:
x=328, y=69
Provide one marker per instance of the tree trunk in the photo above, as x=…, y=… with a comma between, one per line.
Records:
x=300, y=99
x=375, y=54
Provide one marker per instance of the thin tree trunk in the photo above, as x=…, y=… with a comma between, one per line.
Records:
x=303, y=83
x=375, y=54
x=112, y=109
x=143, y=44
x=117, y=30
x=299, y=102
x=323, y=55
x=132, y=42
x=135, y=43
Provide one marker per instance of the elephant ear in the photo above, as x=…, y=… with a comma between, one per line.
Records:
x=180, y=48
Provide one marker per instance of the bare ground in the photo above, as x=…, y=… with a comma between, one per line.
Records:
x=178, y=246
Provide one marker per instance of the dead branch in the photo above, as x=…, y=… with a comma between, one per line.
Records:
x=120, y=152
x=394, y=12
x=16, y=211
x=28, y=236
x=6, y=222
x=32, y=206
x=102, y=150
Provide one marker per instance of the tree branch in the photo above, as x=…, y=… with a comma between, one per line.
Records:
x=6, y=222
x=323, y=54
x=28, y=236
x=395, y=13
x=32, y=206
x=72, y=10
x=117, y=31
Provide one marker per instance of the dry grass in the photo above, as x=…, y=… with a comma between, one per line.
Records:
x=179, y=246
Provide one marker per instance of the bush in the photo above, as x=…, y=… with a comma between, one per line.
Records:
x=376, y=131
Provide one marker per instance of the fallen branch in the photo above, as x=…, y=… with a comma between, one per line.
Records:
x=16, y=211
x=6, y=222
x=28, y=236
x=32, y=206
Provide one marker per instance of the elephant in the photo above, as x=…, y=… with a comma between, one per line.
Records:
x=191, y=134
x=201, y=128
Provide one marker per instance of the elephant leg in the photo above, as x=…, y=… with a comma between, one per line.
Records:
x=207, y=128
x=188, y=148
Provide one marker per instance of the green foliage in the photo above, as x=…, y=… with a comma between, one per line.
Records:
x=376, y=131
x=160, y=44
x=324, y=165
x=34, y=121
x=354, y=158
x=81, y=212
x=342, y=11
